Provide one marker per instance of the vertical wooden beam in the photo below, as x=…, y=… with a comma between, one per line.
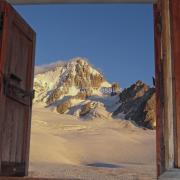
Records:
x=159, y=93
x=164, y=87
x=175, y=28
x=2, y=102
x=26, y=2
x=168, y=86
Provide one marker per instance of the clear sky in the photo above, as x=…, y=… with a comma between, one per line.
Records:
x=118, y=39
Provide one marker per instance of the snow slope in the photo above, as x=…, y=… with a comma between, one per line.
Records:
x=67, y=147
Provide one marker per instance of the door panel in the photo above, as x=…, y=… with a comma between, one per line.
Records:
x=167, y=48
x=175, y=29
x=159, y=90
x=16, y=67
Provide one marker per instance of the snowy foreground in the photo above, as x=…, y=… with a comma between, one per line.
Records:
x=99, y=149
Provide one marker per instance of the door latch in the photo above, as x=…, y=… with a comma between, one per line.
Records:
x=13, y=90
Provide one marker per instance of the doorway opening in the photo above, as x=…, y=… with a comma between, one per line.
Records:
x=87, y=118
x=83, y=117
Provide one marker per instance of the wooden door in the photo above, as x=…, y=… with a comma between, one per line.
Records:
x=164, y=87
x=159, y=89
x=16, y=91
x=175, y=29
x=167, y=48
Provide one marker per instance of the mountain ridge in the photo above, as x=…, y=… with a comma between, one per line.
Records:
x=77, y=88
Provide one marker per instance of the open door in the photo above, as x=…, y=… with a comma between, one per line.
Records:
x=175, y=28
x=17, y=44
x=159, y=89
x=167, y=62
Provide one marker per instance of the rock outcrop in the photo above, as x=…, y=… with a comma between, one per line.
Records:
x=137, y=103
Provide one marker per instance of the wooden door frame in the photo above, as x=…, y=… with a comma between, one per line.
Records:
x=165, y=134
x=26, y=2
x=165, y=19
x=170, y=51
x=166, y=126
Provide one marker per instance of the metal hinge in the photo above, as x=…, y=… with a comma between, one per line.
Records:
x=159, y=23
x=13, y=90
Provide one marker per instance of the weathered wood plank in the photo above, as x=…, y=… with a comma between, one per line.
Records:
x=77, y=1
x=164, y=88
x=168, y=86
x=159, y=91
x=2, y=101
x=33, y=178
x=17, y=59
x=175, y=24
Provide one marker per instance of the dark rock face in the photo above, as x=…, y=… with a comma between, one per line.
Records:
x=138, y=105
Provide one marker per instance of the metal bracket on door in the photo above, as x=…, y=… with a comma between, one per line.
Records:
x=12, y=90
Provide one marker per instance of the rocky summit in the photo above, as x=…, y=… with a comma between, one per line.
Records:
x=137, y=103
x=77, y=88
x=53, y=82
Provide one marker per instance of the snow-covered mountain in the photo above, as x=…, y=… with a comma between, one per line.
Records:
x=77, y=88
x=80, y=119
x=56, y=81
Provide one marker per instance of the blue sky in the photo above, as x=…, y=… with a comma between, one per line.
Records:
x=118, y=39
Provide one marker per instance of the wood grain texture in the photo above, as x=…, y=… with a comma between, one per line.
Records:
x=164, y=87
x=2, y=99
x=25, y=2
x=175, y=24
x=33, y=178
x=17, y=62
x=168, y=86
x=159, y=92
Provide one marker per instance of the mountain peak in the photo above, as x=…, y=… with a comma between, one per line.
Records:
x=138, y=104
x=80, y=60
x=67, y=78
